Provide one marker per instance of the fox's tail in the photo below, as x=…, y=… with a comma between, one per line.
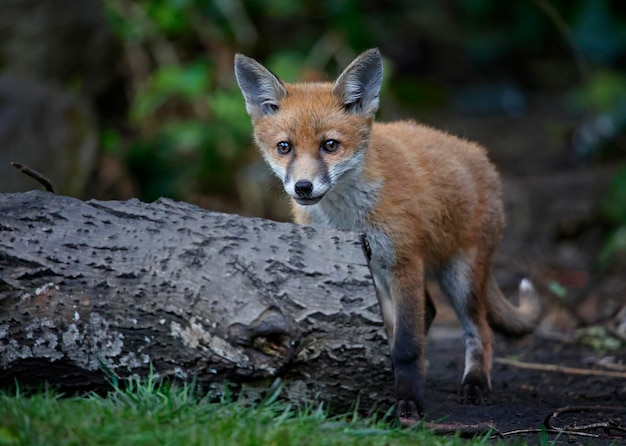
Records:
x=506, y=318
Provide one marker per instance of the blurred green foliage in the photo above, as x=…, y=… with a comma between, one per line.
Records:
x=190, y=134
x=600, y=339
x=613, y=209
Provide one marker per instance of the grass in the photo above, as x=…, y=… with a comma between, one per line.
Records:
x=158, y=414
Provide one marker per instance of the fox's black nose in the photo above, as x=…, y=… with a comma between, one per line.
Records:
x=303, y=188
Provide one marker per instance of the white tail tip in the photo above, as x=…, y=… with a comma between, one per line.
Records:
x=526, y=286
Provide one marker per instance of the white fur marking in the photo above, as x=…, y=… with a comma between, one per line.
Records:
x=279, y=170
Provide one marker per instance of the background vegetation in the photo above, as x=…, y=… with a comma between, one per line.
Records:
x=183, y=105
x=182, y=131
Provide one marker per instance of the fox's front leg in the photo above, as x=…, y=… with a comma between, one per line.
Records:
x=407, y=342
x=402, y=297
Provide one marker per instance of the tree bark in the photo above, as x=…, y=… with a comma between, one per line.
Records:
x=97, y=287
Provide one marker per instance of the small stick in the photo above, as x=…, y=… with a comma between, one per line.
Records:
x=547, y=422
x=34, y=174
x=463, y=430
x=560, y=368
x=576, y=430
x=549, y=431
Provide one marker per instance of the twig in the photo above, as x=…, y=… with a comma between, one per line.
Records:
x=610, y=424
x=548, y=431
x=577, y=430
x=462, y=429
x=560, y=368
x=34, y=174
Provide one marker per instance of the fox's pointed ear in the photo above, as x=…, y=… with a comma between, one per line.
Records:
x=261, y=89
x=359, y=85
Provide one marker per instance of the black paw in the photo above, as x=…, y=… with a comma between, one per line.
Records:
x=409, y=412
x=475, y=388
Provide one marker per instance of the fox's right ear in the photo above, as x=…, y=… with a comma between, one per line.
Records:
x=261, y=89
x=359, y=85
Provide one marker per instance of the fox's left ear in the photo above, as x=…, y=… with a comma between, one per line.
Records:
x=359, y=85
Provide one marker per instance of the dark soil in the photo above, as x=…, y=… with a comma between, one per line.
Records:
x=523, y=398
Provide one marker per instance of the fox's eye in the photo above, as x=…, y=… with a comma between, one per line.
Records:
x=284, y=147
x=330, y=145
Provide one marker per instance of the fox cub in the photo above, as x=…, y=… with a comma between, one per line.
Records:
x=427, y=202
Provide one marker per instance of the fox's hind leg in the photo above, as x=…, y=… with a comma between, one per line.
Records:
x=463, y=281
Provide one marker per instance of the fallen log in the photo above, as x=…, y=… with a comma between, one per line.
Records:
x=97, y=287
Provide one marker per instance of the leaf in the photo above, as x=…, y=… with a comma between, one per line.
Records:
x=604, y=92
x=229, y=111
x=287, y=65
x=168, y=15
x=615, y=244
x=557, y=289
x=7, y=437
x=186, y=136
x=189, y=83
x=110, y=141
x=613, y=205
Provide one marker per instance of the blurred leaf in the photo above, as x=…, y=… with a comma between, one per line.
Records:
x=614, y=245
x=605, y=90
x=185, y=136
x=184, y=82
x=127, y=21
x=283, y=8
x=557, y=289
x=228, y=108
x=110, y=141
x=613, y=206
x=287, y=65
x=7, y=437
x=189, y=82
x=168, y=15
x=598, y=338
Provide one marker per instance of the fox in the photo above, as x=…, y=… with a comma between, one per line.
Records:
x=429, y=204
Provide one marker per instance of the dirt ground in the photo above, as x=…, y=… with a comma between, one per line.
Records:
x=523, y=398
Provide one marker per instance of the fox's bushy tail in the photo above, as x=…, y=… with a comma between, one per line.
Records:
x=511, y=320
